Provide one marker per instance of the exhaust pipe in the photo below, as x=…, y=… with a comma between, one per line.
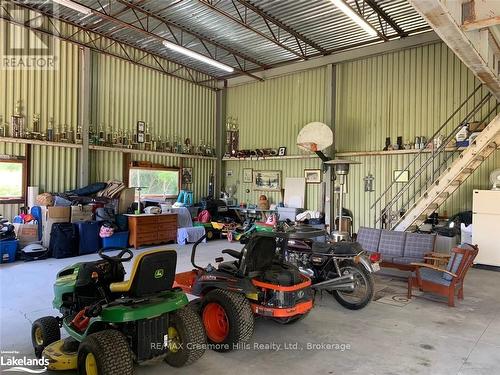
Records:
x=342, y=283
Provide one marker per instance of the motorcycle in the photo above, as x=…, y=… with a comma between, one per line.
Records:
x=342, y=268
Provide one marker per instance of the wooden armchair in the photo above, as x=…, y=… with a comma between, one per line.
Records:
x=444, y=281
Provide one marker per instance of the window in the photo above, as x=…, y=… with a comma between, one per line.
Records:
x=13, y=178
x=156, y=182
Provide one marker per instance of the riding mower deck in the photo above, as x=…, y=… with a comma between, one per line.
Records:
x=113, y=323
x=257, y=283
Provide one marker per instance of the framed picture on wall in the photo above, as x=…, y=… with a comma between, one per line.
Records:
x=312, y=176
x=187, y=176
x=266, y=180
x=400, y=175
x=247, y=174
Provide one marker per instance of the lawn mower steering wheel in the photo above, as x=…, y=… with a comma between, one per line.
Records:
x=116, y=258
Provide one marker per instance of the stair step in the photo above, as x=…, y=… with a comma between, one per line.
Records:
x=456, y=183
x=479, y=158
x=466, y=171
x=433, y=206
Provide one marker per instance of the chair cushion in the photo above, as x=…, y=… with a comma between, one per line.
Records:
x=433, y=276
x=418, y=244
x=369, y=238
x=406, y=260
x=392, y=243
x=453, y=264
x=192, y=234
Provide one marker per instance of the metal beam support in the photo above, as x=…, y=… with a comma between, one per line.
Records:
x=84, y=111
x=473, y=47
x=220, y=137
x=329, y=115
x=386, y=18
x=246, y=25
x=102, y=43
x=282, y=26
x=372, y=50
x=196, y=35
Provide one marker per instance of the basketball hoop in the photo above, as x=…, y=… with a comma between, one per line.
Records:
x=315, y=136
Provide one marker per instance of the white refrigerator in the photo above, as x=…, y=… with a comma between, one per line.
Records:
x=486, y=226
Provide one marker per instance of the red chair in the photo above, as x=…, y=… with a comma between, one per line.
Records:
x=444, y=282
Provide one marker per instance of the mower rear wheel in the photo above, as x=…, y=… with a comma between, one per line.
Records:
x=105, y=353
x=186, y=338
x=44, y=332
x=228, y=319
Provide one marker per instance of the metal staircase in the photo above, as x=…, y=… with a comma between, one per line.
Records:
x=438, y=171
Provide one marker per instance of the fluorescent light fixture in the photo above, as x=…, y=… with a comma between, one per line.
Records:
x=347, y=10
x=72, y=5
x=197, y=56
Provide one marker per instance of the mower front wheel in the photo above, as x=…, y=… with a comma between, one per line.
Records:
x=44, y=332
x=106, y=352
x=228, y=319
x=186, y=338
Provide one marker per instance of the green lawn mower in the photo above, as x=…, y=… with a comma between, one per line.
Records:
x=113, y=323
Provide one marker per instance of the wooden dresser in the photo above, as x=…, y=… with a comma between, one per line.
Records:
x=152, y=229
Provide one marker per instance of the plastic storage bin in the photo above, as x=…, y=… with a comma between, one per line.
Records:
x=119, y=239
x=8, y=249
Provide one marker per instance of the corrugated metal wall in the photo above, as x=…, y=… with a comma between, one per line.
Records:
x=50, y=93
x=127, y=93
x=270, y=115
x=407, y=93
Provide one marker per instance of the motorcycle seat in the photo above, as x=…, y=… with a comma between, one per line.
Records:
x=321, y=247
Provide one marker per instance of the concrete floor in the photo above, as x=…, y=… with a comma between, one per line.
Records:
x=420, y=337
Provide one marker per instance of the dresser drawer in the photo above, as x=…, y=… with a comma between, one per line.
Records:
x=165, y=219
x=167, y=226
x=147, y=237
x=168, y=235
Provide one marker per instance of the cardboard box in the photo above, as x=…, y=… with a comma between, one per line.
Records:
x=81, y=213
x=51, y=215
x=26, y=233
x=476, y=126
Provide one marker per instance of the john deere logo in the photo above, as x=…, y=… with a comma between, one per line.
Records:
x=159, y=273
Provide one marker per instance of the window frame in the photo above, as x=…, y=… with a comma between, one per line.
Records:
x=22, y=199
x=168, y=169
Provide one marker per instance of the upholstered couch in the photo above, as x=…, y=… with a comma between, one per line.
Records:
x=397, y=249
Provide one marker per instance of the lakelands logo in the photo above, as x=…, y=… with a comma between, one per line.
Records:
x=12, y=362
x=21, y=46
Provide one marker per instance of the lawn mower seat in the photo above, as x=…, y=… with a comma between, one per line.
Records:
x=260, y=253
x=153, y=272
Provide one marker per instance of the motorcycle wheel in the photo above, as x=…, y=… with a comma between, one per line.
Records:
x=363, y=287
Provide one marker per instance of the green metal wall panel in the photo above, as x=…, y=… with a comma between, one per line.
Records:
x=406, y=93
x=126, y=93
x=50, y=93
x=270, y=115
x=289, y=168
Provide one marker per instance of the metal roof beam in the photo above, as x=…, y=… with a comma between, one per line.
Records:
x=201, y=38
x=91, y=43
x=282, y=26
x=210, y=4
x=144, y=31
x=386, y=18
